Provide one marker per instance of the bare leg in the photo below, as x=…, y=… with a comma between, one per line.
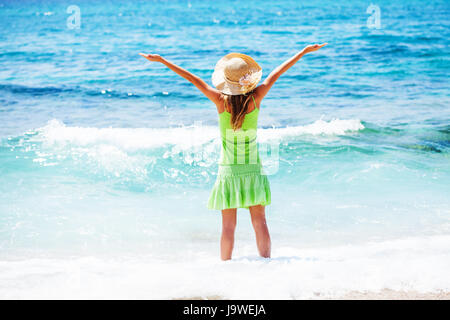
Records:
x=228, y=227
x=261, y=231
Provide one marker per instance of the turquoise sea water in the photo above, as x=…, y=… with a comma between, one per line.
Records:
x=107, y=160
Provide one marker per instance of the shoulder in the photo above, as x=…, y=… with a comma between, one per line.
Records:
x=257, y=96
x=214, y=95
x=220, y=103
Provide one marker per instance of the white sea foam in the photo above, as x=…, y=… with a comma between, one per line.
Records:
x=55, y=132
x=319, y=127
x=410, y=264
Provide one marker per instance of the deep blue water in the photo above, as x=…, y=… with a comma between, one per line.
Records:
x=103, y=152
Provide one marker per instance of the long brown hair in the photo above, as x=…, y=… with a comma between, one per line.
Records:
x=238, y=105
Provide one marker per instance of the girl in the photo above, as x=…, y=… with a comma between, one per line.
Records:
x=241, y=182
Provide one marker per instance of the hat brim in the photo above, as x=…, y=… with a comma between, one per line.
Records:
x=218, y=76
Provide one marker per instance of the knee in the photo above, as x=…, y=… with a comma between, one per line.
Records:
x=228, y=228
x=260, y=227
x=259, y=223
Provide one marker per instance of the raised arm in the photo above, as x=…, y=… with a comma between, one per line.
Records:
x=212, y=93
x=264, y=88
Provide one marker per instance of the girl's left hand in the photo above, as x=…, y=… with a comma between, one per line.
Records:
x=314, y=47
x=151, y=57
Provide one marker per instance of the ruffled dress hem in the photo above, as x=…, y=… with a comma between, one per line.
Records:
x=241, y=189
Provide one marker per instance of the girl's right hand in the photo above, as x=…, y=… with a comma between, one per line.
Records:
x=151, y=57
x=313, y=47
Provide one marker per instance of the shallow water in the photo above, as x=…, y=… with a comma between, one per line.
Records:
x=107, y=160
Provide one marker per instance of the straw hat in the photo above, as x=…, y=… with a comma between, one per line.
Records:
x=236, y=73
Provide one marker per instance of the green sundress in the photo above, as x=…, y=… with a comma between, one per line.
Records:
x=241, y=181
